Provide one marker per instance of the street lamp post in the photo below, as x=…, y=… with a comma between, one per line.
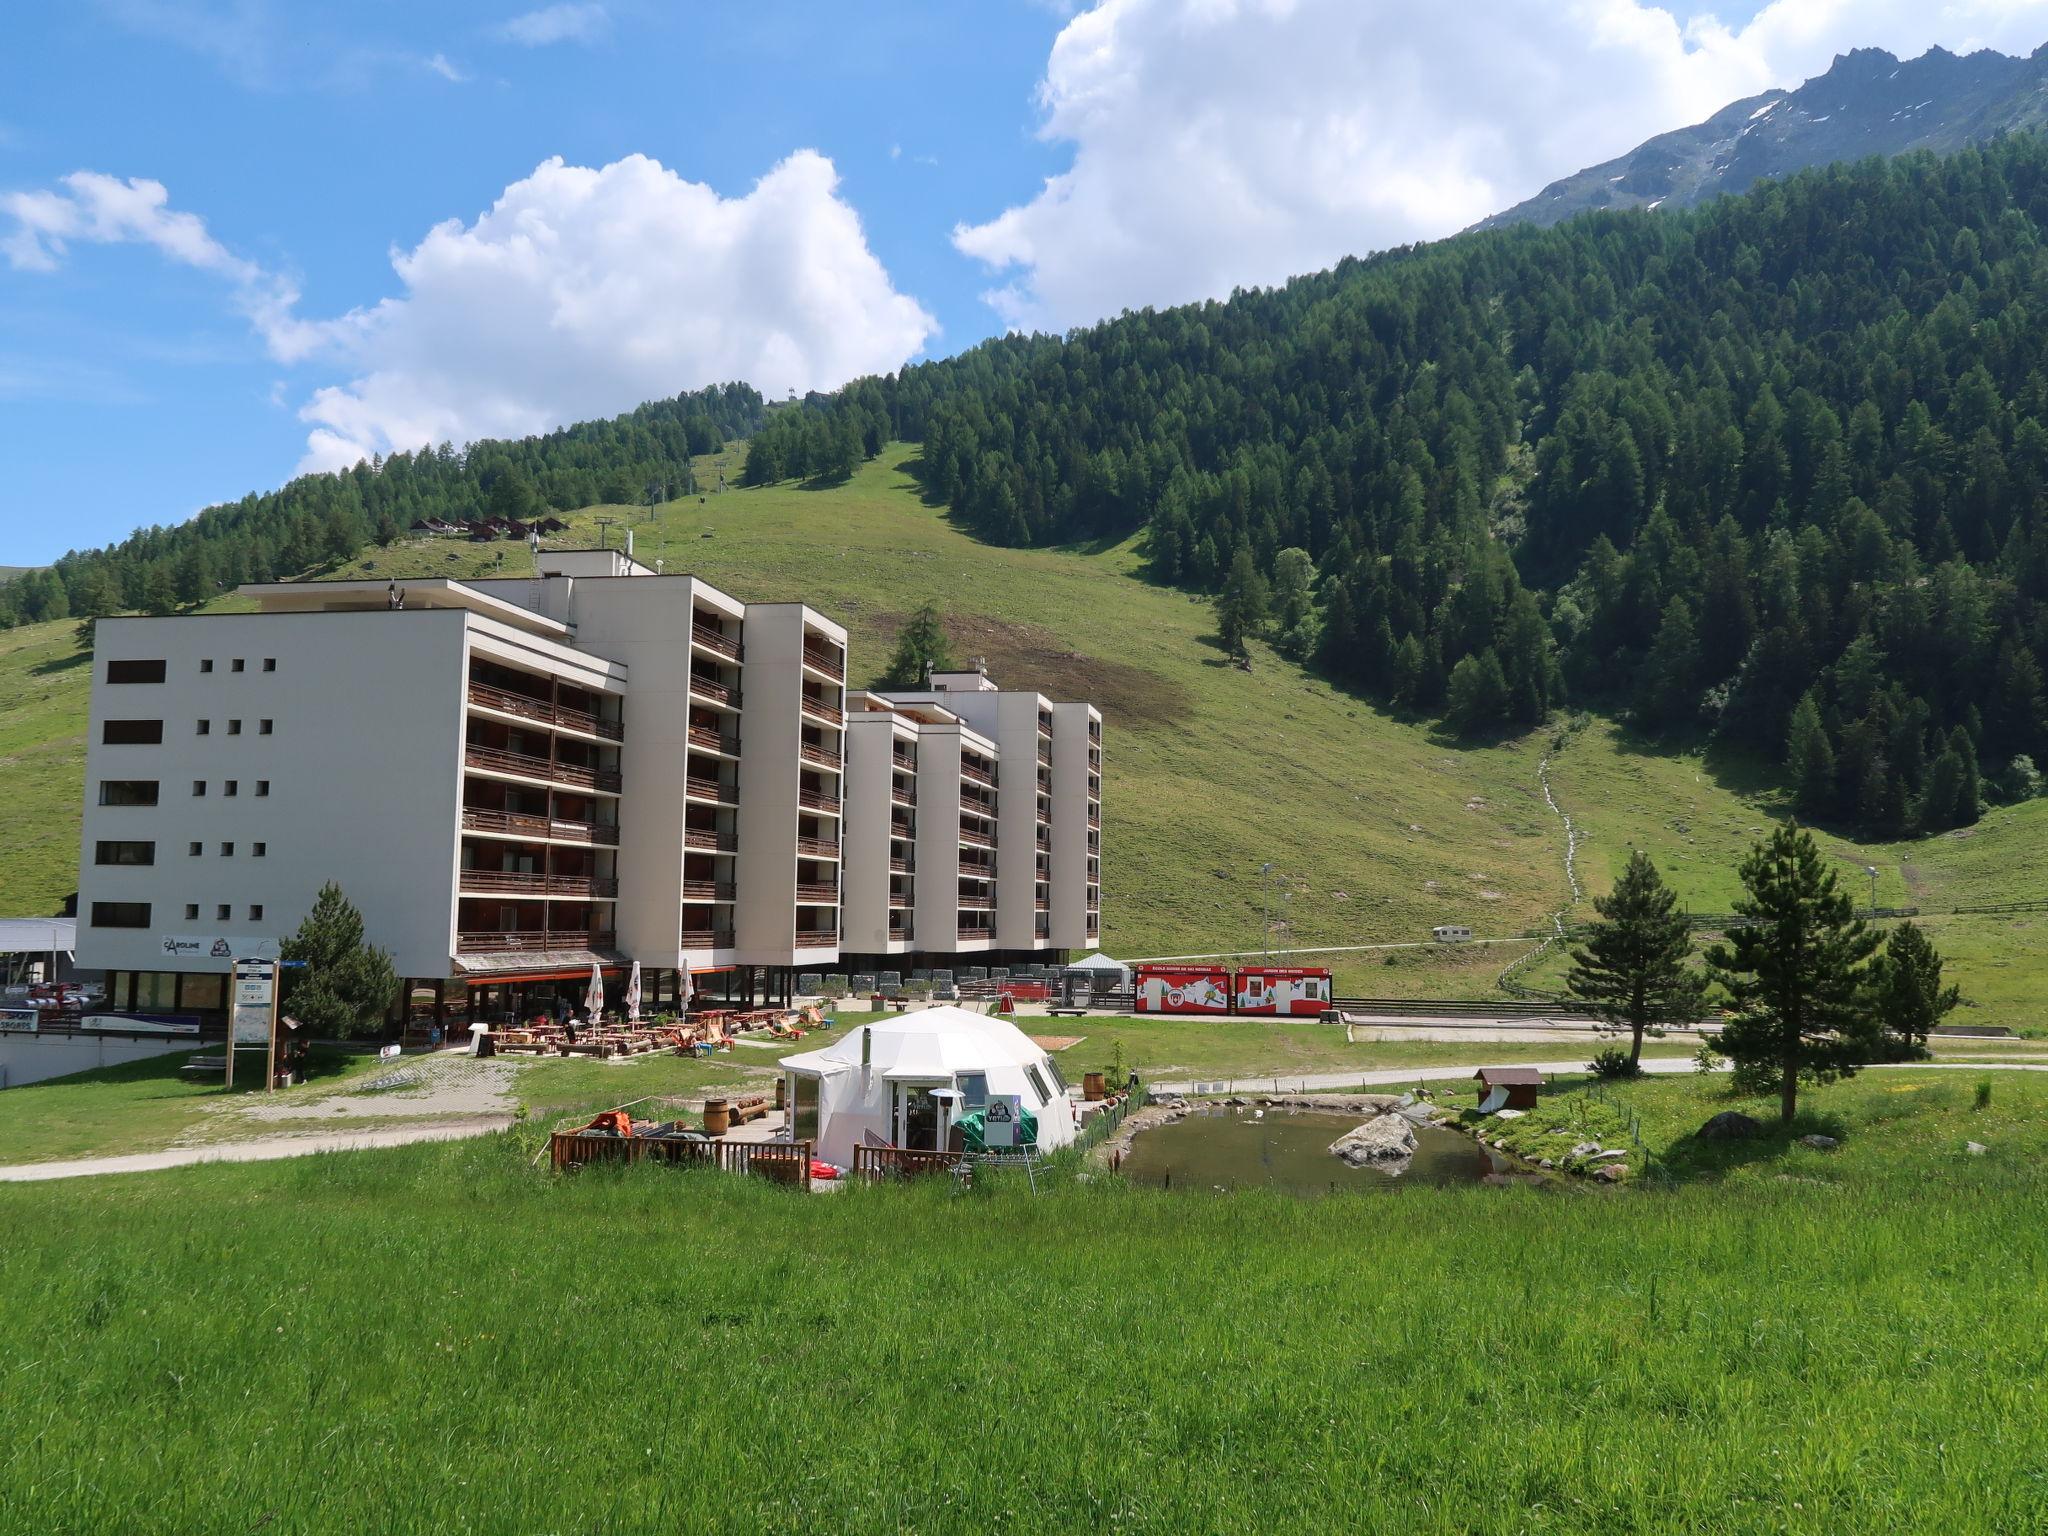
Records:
x=1871, y=870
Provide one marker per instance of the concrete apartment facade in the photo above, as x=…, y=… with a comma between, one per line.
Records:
x=514, y=779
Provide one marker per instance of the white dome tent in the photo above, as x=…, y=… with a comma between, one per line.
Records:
x=905, y=1079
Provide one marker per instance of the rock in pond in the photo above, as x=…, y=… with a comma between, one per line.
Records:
x=1729, y=1126
x=1382, y=1140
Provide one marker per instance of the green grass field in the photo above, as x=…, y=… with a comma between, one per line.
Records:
x=442, y=1338
x=1381, y=826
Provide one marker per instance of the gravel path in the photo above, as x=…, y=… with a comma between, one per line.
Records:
x=261, y=1149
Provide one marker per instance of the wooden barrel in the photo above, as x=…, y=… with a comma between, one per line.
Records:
x=781, y=1093
x=1091, y=1086
x=717, y=1117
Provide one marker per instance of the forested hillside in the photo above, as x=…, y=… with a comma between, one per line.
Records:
x=1771, y=469
x=320, y=518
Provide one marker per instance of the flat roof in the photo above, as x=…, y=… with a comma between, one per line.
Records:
x=38, y=935
x=422, y=592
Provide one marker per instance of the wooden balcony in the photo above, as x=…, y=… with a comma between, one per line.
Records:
x=818, y=940
x=817, y=847
x=818, y=891
x=539, y=826
x=902, y=797
x=534, y=940
x=707, y=938
x=497, y=760
x=904, y=935
x=705, y=841
x=708, y=890
x=900, y=831
x=976, y=839
x=1044, y=755
x=505, y=702
x=709, y=688
x=714, y=741
x=715, y=641
x=825, y=660
x=902, y=867
x=976, y=776
x=711, y=789
x=973, y=934
x=812, y=800
x=976, y=904
x=818, y=755
x=977, y=807
x=1095, y=820
x=818, y=709
x=534, y=883
x=907, y=761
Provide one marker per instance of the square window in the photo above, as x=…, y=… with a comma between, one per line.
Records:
x=229, y=786
x=234, y=727
x=236, y=665
x=191, y=911
x=255, y=911
x=223, y=912
x=206, y=664
x=227, y=850
x=262, y=788
x=262, y=727
x=198, y=788
x=270, y=663
x=195, y=849
x=258, y=850
x=202, y=727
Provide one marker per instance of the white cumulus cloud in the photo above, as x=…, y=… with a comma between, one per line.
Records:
x=580, y=23
x=1227, y=143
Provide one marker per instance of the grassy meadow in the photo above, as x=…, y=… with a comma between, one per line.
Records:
x=440, y=1338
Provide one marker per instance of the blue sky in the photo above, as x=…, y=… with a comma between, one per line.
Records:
x=156, y=356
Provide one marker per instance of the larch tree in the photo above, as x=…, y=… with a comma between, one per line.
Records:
x=1241, y=608
x=1632, y=968
x=920, y=650
x=1794, y=971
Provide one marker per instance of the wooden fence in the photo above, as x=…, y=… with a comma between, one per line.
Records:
x=783, y=1162
x=876, y=1163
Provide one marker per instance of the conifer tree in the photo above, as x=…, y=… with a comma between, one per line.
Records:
x=1241, y=608
x=1809, y=759
x=1905, y=992
x=341, y=985
x=920, y=650
x=1632, y=968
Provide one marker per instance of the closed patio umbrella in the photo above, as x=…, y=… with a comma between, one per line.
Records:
x=633, y=994
x=593, y=998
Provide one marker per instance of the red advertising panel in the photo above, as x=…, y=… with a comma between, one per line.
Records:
x=1284, y=990
x=1182, y=989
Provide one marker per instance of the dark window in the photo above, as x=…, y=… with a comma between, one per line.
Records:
x=206, y=665
x=191, y=911
x=124, y=853
x=202, y=727
x=258, y=850
x=255, y=911
x=263, y=728
x=198, y=788
x=120, y=914
x=223, y=912
x=135, y=671
x=270, y=663
x=227, y=850
x=132, y=733
x=230, y=786
x=127, y=791
x=234, y=727
x=195, y=849
x=262, y=788
x=236, y=665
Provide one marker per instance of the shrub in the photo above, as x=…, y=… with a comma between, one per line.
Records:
x=1614, y=1063
x=1707, y=1058
x=1983, y=1096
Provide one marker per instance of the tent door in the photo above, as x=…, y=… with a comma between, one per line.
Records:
x=917, y=1117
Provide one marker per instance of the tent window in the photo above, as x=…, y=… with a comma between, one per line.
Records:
x=1054, y=1068
x=1038, y=1086
x=974, y=1089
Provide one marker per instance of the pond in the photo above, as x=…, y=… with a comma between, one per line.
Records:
x=1290, y=1150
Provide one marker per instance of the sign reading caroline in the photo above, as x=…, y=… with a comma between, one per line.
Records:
x=206, y=946
x=1284, y=990
x=1182, y=989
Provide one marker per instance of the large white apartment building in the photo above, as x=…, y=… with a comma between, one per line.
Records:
x=515, y=778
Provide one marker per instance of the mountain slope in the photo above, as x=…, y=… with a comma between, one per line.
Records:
x=1868, y=103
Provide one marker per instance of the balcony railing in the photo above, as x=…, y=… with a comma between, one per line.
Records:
x=976, y=839
x=708, y=890
x=904, y=934
x=972, y=933
x=711, y=789
x=707, y=938
x=818, y=755
x=812, y=800
x=496, y=759
x=976, y=904
x=826, y=661
x=534, y=940
x=529, y=708
x=817, y=891
x=901, y=867
x=818, y=709
x=1095, y=819
x=977, y=807
x=972, y=871
x=827, y=940
x=1044, y=906
x=901, y=900
x=715, y=640
x=709, y=688
x=714, y=741
x=533, y=883
x=1044, y=755
x=976, y=776
x=710, y=842
x=902, y=796
x=817, y=847
x=905, y=760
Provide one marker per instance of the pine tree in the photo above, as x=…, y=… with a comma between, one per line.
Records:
x=1241, y=608
x=1809, y=760
x=342, y=985
x=1632, y=969
x=1793, y=971
x=1478, y=694
x=1905, y=991
x=920, y=650
x=159, y=597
